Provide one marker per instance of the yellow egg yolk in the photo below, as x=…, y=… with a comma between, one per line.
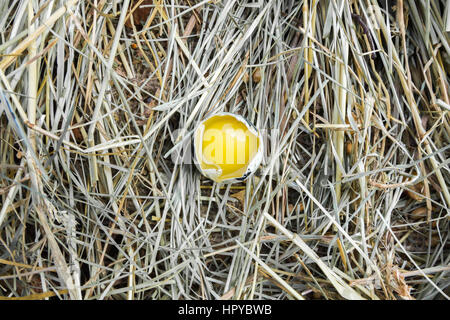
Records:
x=227, y=144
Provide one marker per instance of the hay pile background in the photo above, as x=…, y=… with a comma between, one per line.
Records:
x=99, y=99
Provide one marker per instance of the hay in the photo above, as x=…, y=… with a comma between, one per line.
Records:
x=99, y=200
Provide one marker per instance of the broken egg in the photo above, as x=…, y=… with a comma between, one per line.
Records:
x=227, y=147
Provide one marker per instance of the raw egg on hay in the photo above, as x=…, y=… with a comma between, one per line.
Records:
x=227, y=148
